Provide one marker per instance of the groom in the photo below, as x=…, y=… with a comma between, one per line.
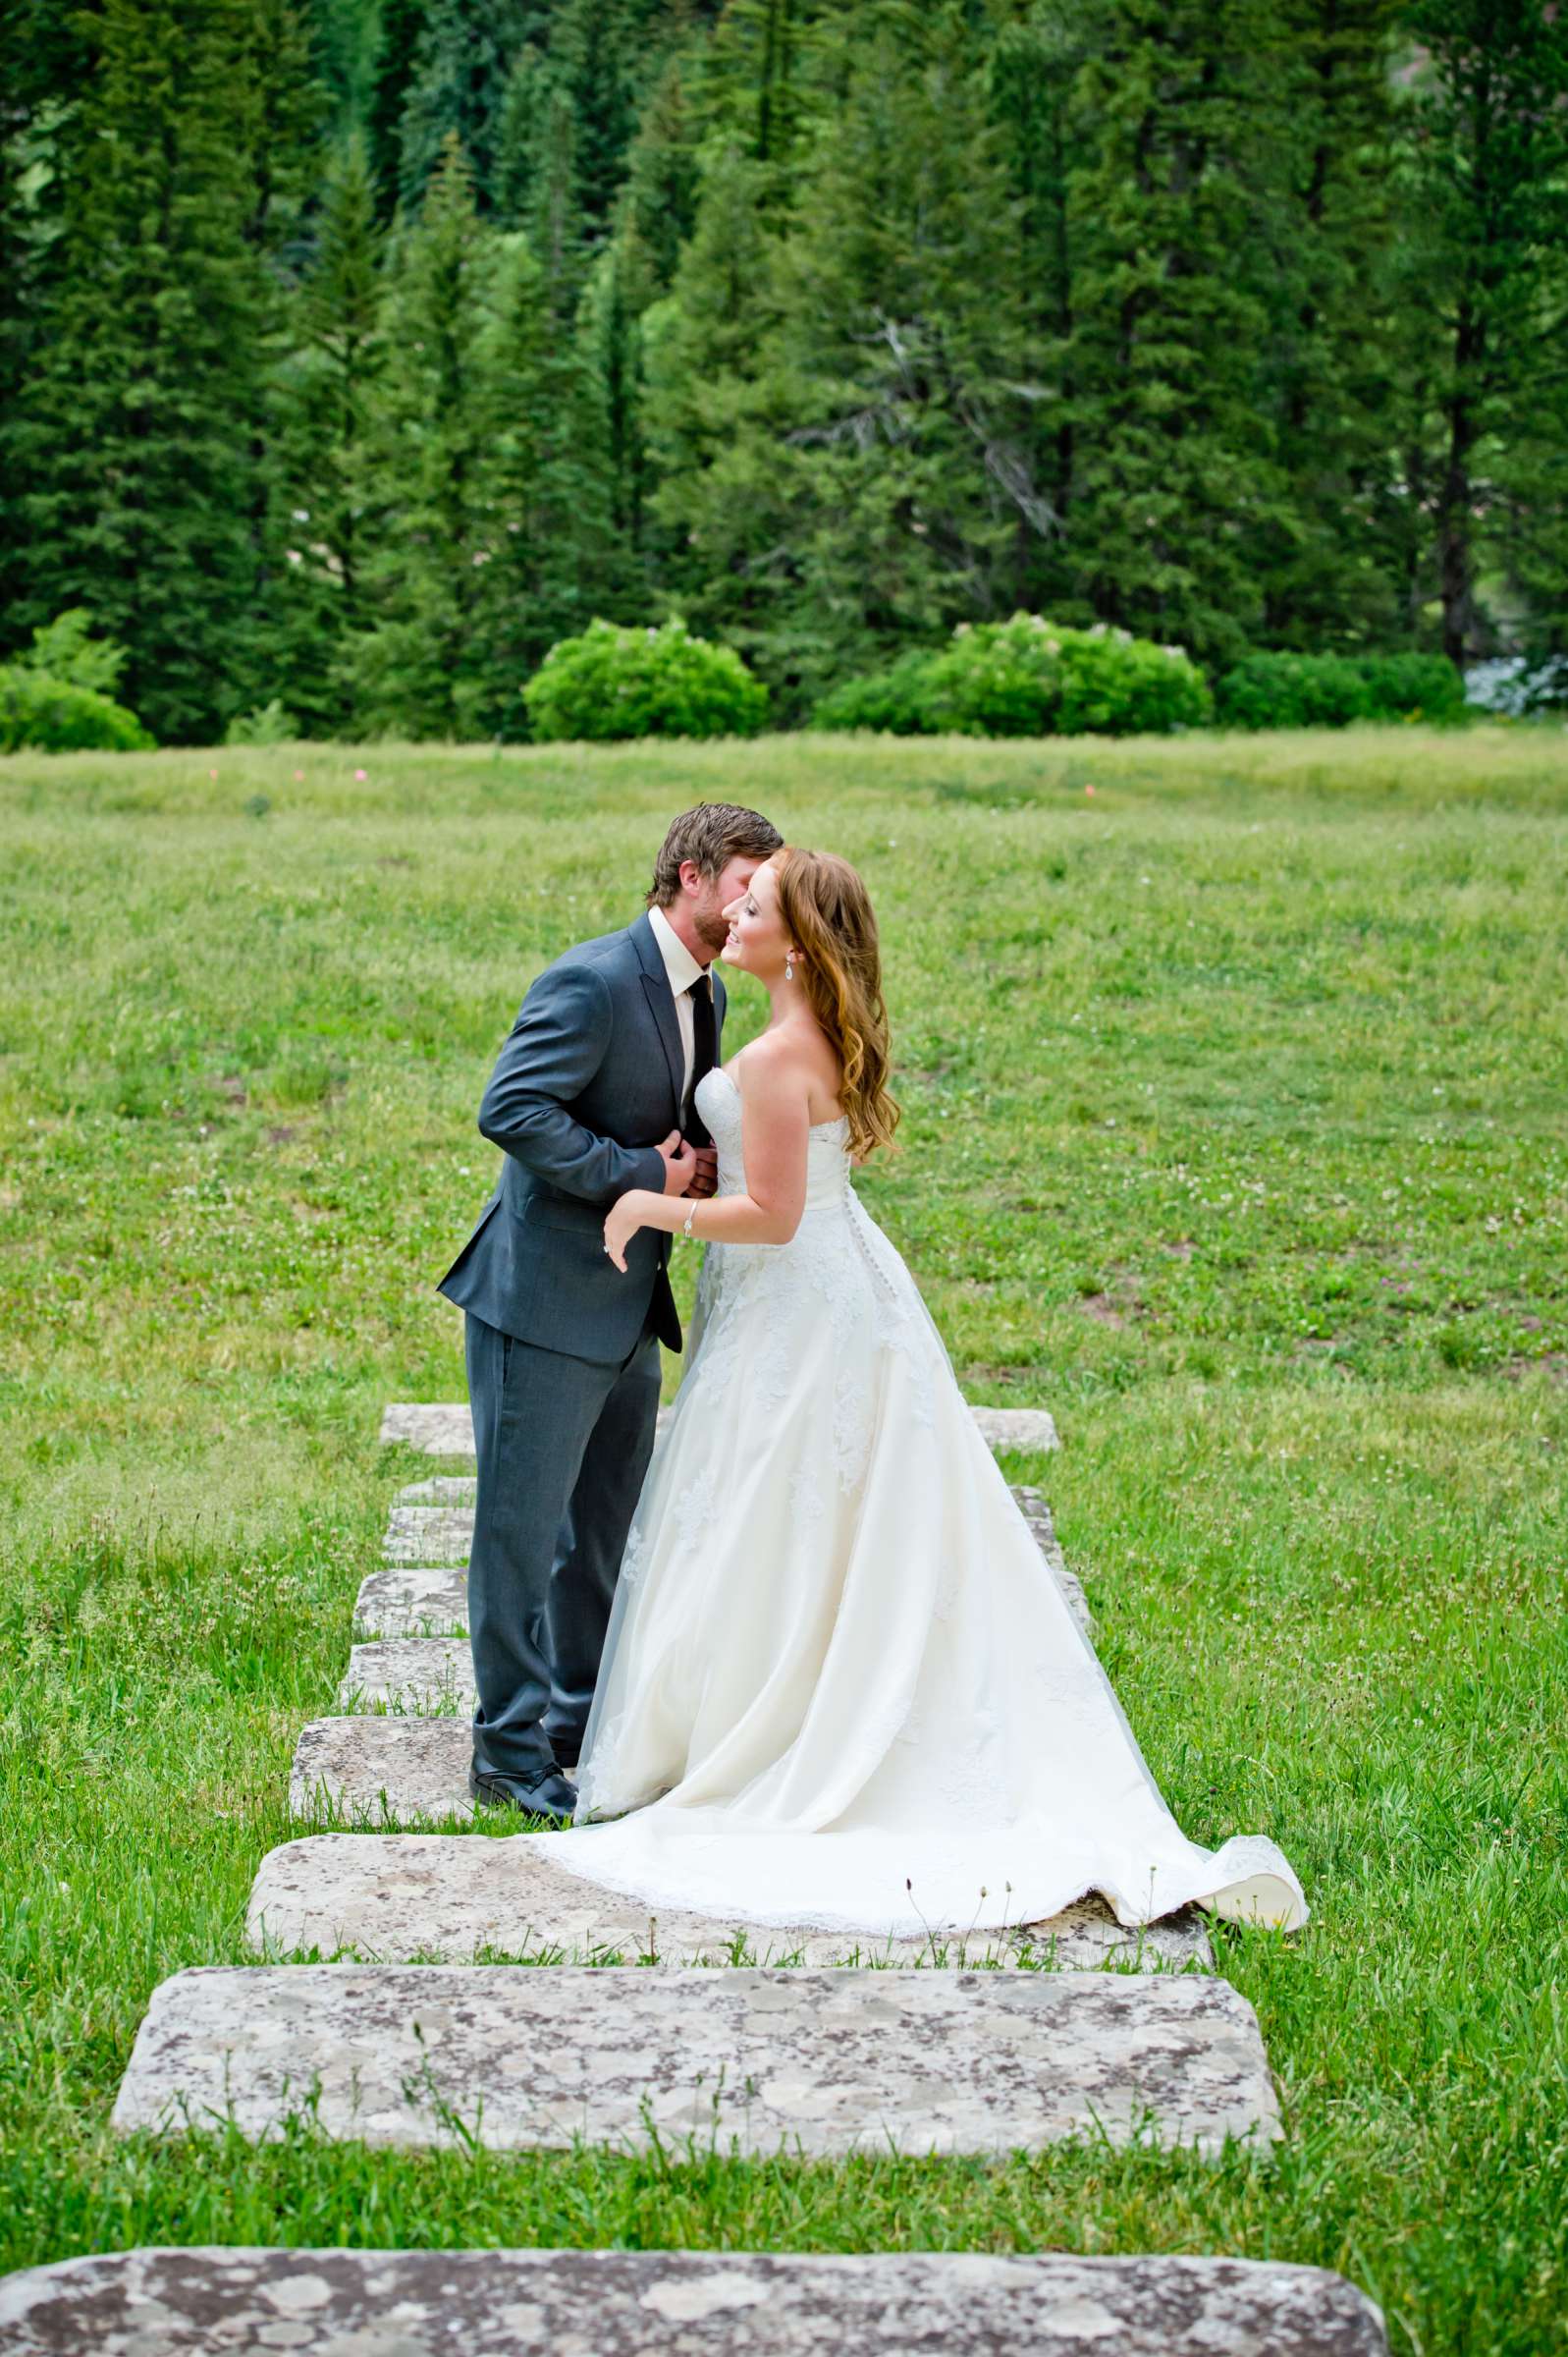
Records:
x=590, y=1095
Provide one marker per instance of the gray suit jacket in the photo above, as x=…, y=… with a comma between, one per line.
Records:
x=585, y=1088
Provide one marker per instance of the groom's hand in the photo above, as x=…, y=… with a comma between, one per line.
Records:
x=679, y=1161
x=705, y=1177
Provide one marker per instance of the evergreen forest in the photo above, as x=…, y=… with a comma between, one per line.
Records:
x=353, y=353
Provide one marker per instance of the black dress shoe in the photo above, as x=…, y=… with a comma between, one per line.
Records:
x=544, y=1793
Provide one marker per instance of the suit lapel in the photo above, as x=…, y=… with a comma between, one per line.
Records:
x=661, y=1005
x=661, y=999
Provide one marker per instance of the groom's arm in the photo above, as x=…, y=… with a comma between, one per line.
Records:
x=554, y=1047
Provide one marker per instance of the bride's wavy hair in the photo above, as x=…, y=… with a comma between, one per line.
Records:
x=826, y=911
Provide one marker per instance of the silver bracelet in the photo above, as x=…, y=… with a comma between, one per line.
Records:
x=690, y=1216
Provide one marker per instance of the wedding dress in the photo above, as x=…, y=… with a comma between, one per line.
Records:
x=841, y=1689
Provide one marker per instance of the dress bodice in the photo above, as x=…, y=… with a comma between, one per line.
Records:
x=828, y=1163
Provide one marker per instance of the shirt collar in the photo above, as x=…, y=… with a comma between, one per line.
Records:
x=679, y=964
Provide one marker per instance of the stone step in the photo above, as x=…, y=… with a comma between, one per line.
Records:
x=413, y=1600
x=190, y=2303
x=812, y=2063
x=446, y=1428
x=1037, y=1514
x=379, y=1771
x=442, y=1489
x=428, y=1534
x=451, y=1897
x=430, y=1677
x=432, y=1531
x=423, y=1590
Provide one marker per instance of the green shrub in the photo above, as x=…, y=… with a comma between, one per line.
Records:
x=610, y=683
x=898, y=700
x=268, y=723
x=1269, y=690
x=1028, y=677
x=55, y=716
x=1291, y=692
x=1413, y=686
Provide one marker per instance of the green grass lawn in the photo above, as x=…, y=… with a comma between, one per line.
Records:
x=1233, y=1073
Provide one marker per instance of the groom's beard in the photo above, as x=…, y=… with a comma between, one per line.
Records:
x=711, y=929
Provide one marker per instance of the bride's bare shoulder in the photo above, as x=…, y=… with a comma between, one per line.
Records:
x=791, y=1062
x=772, y=1060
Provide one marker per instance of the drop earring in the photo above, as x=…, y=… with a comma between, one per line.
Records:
x=789, y=967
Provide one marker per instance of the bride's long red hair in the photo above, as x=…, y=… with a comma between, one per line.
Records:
x=826, y=911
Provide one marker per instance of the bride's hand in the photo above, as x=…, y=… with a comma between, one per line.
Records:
x=620, y=1225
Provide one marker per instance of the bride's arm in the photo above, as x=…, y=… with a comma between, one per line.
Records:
x=776, y=1110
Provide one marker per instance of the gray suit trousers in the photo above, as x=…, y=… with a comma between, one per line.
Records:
x=563, y=1444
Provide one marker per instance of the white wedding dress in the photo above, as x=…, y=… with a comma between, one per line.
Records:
x=841, y=1689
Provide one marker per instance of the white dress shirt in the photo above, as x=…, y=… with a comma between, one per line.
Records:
x=683, y=970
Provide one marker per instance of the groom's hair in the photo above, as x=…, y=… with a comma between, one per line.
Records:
x=711, y=836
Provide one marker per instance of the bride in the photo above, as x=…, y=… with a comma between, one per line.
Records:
x=840, y=1686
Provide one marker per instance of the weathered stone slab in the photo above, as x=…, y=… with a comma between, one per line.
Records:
x=438, y=1429
x=1020, y=1428
x=822, y=2062
x=449, y=1898
x=1037, y=1514
x=382, y=1771
x=413, y=1600
x=446, y=1429
x=428, y=1534
x=442, y=1489
x=431, y=1676
x=331, y=2303
x=431, y=1594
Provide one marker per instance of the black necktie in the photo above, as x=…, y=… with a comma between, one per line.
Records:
x=704, y=1050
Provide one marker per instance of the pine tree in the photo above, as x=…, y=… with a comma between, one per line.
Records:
x=287, y=106
x=711, y=415
x=418, y=669
x=1329, y=221
x=458, y=90
x=1484, y=292
x=399, y=28
x=521, y=135
x=328, y=406
x=551, y=546
x=1034, y=72
x=768, y=65
x=46, y=60
x=609, y=335
x=553, y=212
x=837, y=414
x=592, y=47
x=137, y=432
x=1176, y=479
x=350, y=47
x=904, y=310
x=659, y=203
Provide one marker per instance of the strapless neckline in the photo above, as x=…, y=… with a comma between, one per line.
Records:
x=816, y=1130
